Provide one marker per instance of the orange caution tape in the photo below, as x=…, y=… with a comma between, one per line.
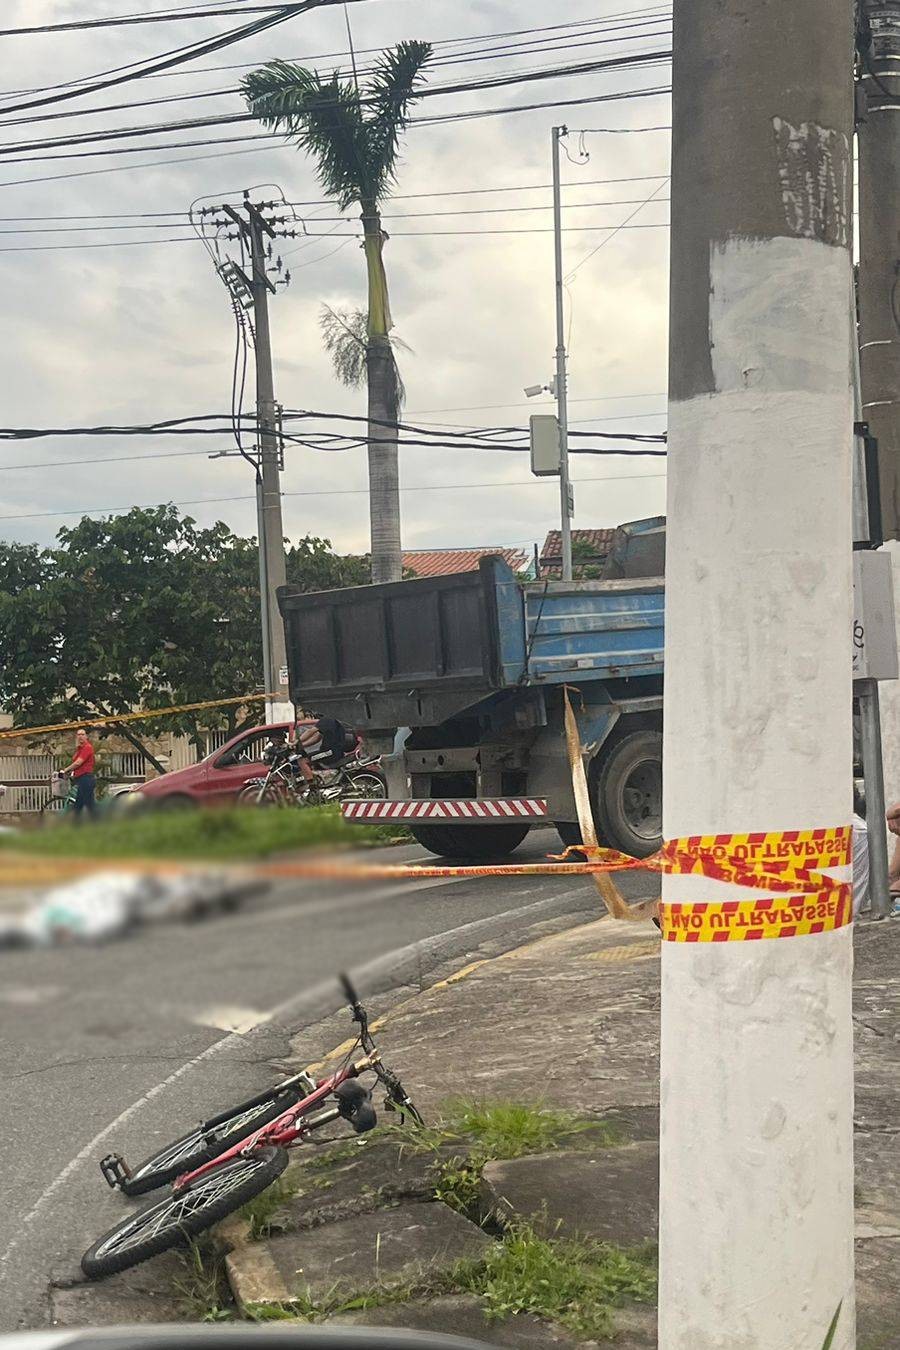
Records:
x=790, y=863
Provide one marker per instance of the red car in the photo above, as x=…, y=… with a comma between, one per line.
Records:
x=219, y=778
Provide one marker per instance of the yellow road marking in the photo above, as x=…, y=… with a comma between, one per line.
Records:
x=629, y=951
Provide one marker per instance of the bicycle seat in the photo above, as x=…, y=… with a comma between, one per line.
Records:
x=355, y=1105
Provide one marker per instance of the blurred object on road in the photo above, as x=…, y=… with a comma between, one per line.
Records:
x=106, y=906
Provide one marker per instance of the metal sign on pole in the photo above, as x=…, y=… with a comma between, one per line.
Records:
x=544, y=445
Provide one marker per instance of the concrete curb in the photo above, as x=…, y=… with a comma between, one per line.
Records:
x=404, y=970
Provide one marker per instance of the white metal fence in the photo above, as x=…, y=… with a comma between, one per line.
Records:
x=27, y=776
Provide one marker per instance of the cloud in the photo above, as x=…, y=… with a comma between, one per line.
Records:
x=133, y=333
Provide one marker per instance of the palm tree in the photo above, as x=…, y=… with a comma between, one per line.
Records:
x=353, y=134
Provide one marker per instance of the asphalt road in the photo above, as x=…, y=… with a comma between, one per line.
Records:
x=125, y=1046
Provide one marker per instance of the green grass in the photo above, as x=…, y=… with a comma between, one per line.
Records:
x=577, y=1284
x=220, y=834
x=202, y=1289
x=298, y=1310
x=832, y=1330
x=260, y=1212
x=502, y=1130
x=496, y=1131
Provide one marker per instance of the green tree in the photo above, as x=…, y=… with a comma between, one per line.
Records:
x=142, y=610
x=353, y=134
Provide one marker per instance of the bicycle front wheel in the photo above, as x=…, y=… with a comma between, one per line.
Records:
x=206, y=1142
x=268, y=794
x=172, y=1222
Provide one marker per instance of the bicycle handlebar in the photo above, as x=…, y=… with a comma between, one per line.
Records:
x=349, y=992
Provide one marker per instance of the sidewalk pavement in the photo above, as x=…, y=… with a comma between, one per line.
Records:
x=570, y=1021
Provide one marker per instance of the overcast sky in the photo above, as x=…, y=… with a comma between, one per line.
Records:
x=133, y=334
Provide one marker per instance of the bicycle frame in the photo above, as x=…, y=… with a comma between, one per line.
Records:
x=287, y=1130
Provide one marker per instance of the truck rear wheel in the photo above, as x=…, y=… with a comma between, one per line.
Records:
x=627, y=793
x=469, y=842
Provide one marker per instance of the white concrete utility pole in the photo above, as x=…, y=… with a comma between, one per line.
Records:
x=254, y=230
x=277, y=710
x=878, y=42
x=756, y=1206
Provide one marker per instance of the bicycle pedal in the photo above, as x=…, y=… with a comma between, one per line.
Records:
x=115, y=1170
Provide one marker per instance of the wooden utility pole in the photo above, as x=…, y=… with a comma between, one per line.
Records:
x=756, y=1206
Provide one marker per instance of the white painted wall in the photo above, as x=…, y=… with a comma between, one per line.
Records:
x=756, y=1223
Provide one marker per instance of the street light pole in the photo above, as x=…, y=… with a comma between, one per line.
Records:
x=566, y=497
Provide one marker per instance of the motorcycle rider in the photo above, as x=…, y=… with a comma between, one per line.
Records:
x=313, y=734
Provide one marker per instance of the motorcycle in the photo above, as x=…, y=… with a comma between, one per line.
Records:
x=352, y=776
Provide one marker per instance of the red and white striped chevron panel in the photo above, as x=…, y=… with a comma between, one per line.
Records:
x=486, y=810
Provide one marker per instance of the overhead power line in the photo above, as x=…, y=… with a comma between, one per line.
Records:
x=477, y=54
x=198, y=425
x=147, y=224
x=434, y=91
x=169, y=60
x=332, y=492
x=237, y=140
x=328, y=234
x=157, y=16
x=204, y=454
x=464, y=115
x=324, y=201
x=634, y=18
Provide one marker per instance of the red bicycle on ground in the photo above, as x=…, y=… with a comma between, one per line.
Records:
x=235, y=1155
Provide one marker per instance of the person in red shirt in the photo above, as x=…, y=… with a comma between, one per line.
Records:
x=82, y=771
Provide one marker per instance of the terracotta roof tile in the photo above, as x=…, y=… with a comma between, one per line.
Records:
x=450, y=561
x=599, y=541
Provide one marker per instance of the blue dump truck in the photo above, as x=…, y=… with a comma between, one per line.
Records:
x=459, y=681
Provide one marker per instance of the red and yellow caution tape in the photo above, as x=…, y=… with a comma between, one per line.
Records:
x=791, y=866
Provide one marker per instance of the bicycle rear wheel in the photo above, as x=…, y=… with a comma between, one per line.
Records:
x=172, y=1222
x=207, y=1141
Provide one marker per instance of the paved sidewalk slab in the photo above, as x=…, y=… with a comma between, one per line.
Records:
x=464, y=1316
x=611, y=1195
x=367, y=1174
x=390, y=1246
x=572, y=1021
